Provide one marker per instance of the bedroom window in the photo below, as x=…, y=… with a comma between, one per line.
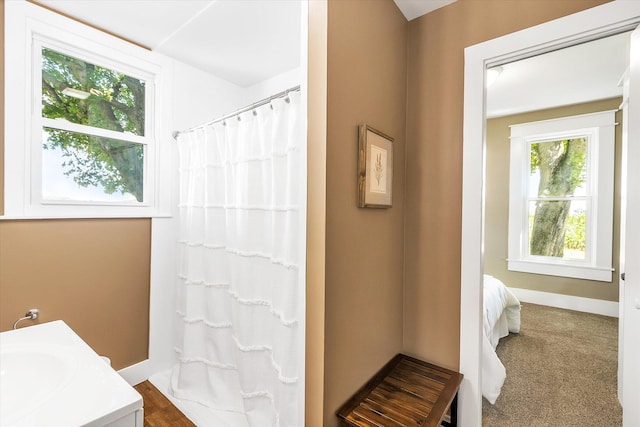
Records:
x=84, y=124
x=561, y=196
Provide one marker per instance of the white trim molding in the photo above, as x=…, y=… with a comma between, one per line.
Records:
x=29, y=28
x=568, y=302
x=137, y=373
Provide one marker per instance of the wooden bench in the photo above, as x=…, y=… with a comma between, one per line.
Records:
x=405, y=392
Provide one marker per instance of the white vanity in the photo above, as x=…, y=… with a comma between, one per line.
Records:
x=50, y=377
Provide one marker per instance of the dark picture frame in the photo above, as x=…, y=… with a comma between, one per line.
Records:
x=375, y=168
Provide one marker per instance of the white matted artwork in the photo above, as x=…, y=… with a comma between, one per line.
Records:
x=375, y=168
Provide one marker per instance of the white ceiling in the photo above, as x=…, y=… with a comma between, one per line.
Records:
x=241, y=41
x=248, y=41
x=412, y=9
x=581, y=73
x=244, y=42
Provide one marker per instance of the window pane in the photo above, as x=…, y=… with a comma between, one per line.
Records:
x=558, y=168
x=91, y=95
x=558, y=229
x=79, y=167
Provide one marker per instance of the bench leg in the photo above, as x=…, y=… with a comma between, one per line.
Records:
x=454, y=413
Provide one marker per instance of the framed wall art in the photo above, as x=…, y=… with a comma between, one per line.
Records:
x=375, y=168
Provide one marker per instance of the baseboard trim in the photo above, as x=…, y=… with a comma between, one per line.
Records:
x=587, y=305
x=135, y=374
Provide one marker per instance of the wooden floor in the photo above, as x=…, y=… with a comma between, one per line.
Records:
x=158, y=410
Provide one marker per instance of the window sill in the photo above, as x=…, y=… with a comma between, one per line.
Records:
x=587, y=272
x=141, y=213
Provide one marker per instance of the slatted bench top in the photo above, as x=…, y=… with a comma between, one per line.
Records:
x=405, y=392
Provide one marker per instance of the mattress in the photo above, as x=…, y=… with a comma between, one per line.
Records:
x=501, y=316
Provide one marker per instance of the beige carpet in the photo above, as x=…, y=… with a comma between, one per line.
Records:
x=561, y=371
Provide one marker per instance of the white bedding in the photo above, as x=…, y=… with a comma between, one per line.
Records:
x=501, y=316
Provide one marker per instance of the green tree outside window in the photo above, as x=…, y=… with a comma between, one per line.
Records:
x=100, y=98
x=556, y=227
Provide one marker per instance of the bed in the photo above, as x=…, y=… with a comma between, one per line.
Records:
x=501, y=316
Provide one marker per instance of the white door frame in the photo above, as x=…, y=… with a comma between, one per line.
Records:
x=590, y=24
x=629, y=348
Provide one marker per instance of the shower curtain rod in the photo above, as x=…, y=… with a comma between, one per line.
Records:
x=240, y=111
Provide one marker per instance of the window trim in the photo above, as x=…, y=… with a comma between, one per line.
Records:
x=29, y=27
x=600, y=129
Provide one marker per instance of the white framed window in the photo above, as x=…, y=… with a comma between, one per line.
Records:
x=561, y=196
x=85, y=119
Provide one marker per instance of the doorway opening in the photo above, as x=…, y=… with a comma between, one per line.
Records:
x=592, y=24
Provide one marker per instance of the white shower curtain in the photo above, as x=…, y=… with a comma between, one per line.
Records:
x=241, y=196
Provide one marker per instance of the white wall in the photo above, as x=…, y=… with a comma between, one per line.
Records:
x=272, y=86
x=199, y=96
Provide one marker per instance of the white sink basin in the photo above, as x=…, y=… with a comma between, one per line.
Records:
x=50, y=377
x=30, y=374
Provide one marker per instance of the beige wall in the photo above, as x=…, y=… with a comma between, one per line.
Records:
x=316, y=214
x=434, y=159
x=93, y=274
x=497, y=207
x=364, y=247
